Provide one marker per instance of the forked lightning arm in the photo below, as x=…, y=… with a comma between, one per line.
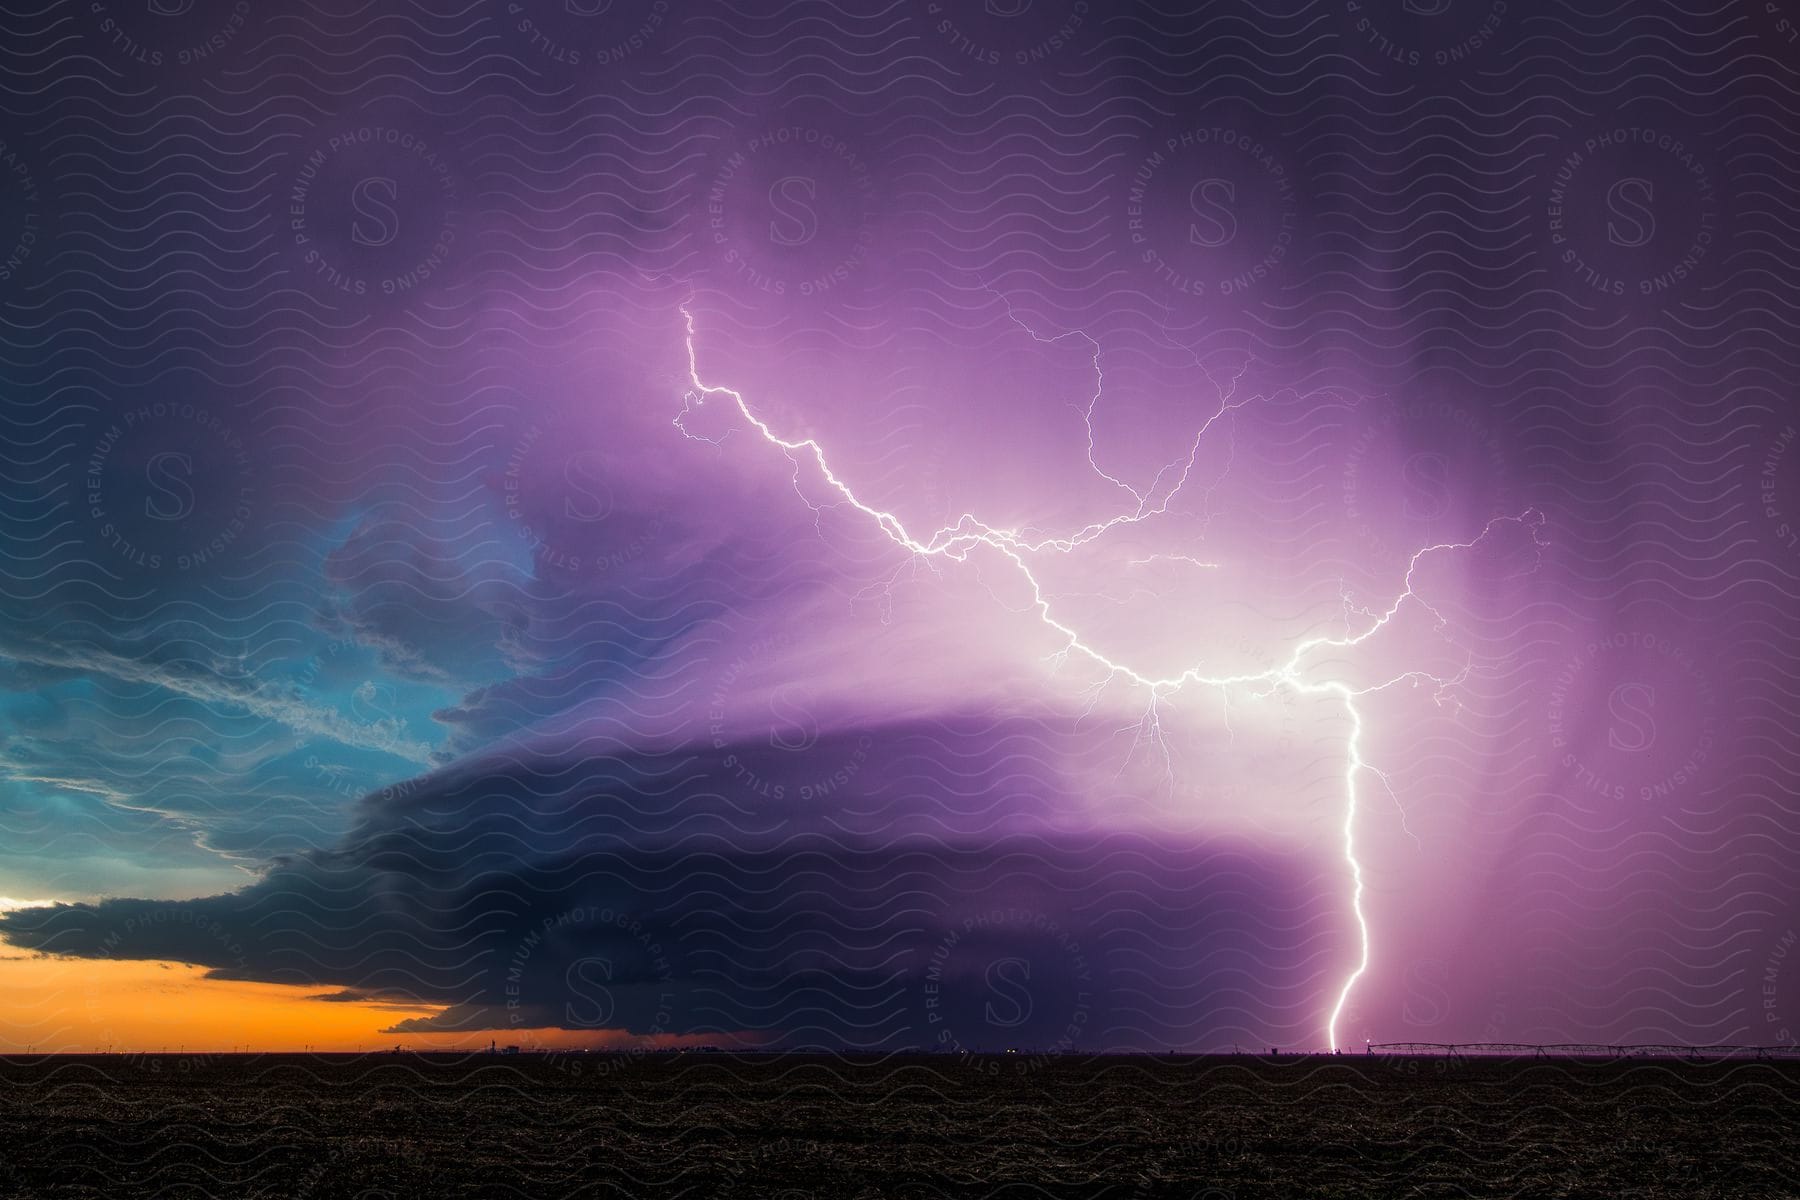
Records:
x=958, y=540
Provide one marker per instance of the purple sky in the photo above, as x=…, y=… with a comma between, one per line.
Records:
x=380, y=581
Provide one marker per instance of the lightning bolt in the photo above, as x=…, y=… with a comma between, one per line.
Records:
x=958, y=540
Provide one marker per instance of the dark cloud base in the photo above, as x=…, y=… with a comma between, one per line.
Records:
x=637, y=894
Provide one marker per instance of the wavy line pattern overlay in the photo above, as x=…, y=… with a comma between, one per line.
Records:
x=879, y=527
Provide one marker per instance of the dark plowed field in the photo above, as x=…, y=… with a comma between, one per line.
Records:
x=710, y=1126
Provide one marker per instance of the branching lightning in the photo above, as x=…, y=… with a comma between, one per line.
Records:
x=958, y=540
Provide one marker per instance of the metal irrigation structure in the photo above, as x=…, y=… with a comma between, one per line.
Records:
x=1577, y=1050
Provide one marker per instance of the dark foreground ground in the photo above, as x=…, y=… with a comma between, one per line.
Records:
x=713, y=1126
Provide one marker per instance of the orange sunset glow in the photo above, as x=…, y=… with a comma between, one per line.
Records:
x=83, y=1005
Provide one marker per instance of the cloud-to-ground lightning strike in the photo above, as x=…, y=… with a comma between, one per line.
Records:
x=956, y=541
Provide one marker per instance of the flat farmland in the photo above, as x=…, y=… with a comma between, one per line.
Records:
x=716, y=1125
